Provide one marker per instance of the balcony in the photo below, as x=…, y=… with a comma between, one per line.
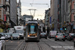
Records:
x=73, y=11
x=7, y=3
x=7, y=13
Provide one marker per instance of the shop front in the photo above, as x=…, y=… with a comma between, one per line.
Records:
x=2, y=26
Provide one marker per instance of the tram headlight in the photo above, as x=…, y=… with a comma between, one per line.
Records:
x=35, y=36
x=28, y=35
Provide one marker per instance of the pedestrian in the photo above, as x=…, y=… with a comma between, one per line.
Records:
x=48, y=31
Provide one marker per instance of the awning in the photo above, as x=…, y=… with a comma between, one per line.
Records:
x=2, y=26
x=1, y=20
x=7, y=23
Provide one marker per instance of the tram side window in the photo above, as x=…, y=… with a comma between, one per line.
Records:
x=36, y=28
x=28, y=28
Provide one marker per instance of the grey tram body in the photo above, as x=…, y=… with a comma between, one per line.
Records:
x=32, y=38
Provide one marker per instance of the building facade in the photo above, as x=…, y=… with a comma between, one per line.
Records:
x=7, y=14
x=19, y=11
x=13, y=13
x=58, y=12
x=2, y=11
x=73, y=10
x=47, y=15
x=27, y=17
x=53, y=13
x=69, y=11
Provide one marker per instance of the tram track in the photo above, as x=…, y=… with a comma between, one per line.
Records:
x=48, y=45
x=26, y=46
x=56, y=43
x=19, y=46
x=38, y=45
x=40, y=48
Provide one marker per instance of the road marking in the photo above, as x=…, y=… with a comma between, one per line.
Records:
x=51, y=39
x=6, y=40
x=11, y=41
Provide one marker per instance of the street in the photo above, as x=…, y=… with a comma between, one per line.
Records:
x=44, y=44
x=50, y=23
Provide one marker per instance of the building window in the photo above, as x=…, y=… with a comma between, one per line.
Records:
x=7, y=18
x=0, y=16
x=74, y=17
x=59, y=1
x=7, y=0
x=74, y=5
x=7, y=8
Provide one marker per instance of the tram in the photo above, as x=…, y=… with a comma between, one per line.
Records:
x=32, y=31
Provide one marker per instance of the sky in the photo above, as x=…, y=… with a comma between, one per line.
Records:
x=40, y=9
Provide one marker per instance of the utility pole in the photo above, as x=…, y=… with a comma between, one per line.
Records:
x=31, y=12
x=35, y=9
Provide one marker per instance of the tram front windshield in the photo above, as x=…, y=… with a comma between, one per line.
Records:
x=32, y=29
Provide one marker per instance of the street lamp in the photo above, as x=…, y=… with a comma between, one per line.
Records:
x=33, y=13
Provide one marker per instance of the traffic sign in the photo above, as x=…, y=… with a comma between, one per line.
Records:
x=61, y=28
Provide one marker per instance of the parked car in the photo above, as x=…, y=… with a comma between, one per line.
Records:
x=9, y=35
x=52, y=34
x=66, y=35
x=43, y=35
x=59, y=36
x=1, y=33
x=2, y=36
x=6, y=36
x=21, y=35
x=15, y=36
x=71, y=36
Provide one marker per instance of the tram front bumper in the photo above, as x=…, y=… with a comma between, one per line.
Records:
x=32, y=38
